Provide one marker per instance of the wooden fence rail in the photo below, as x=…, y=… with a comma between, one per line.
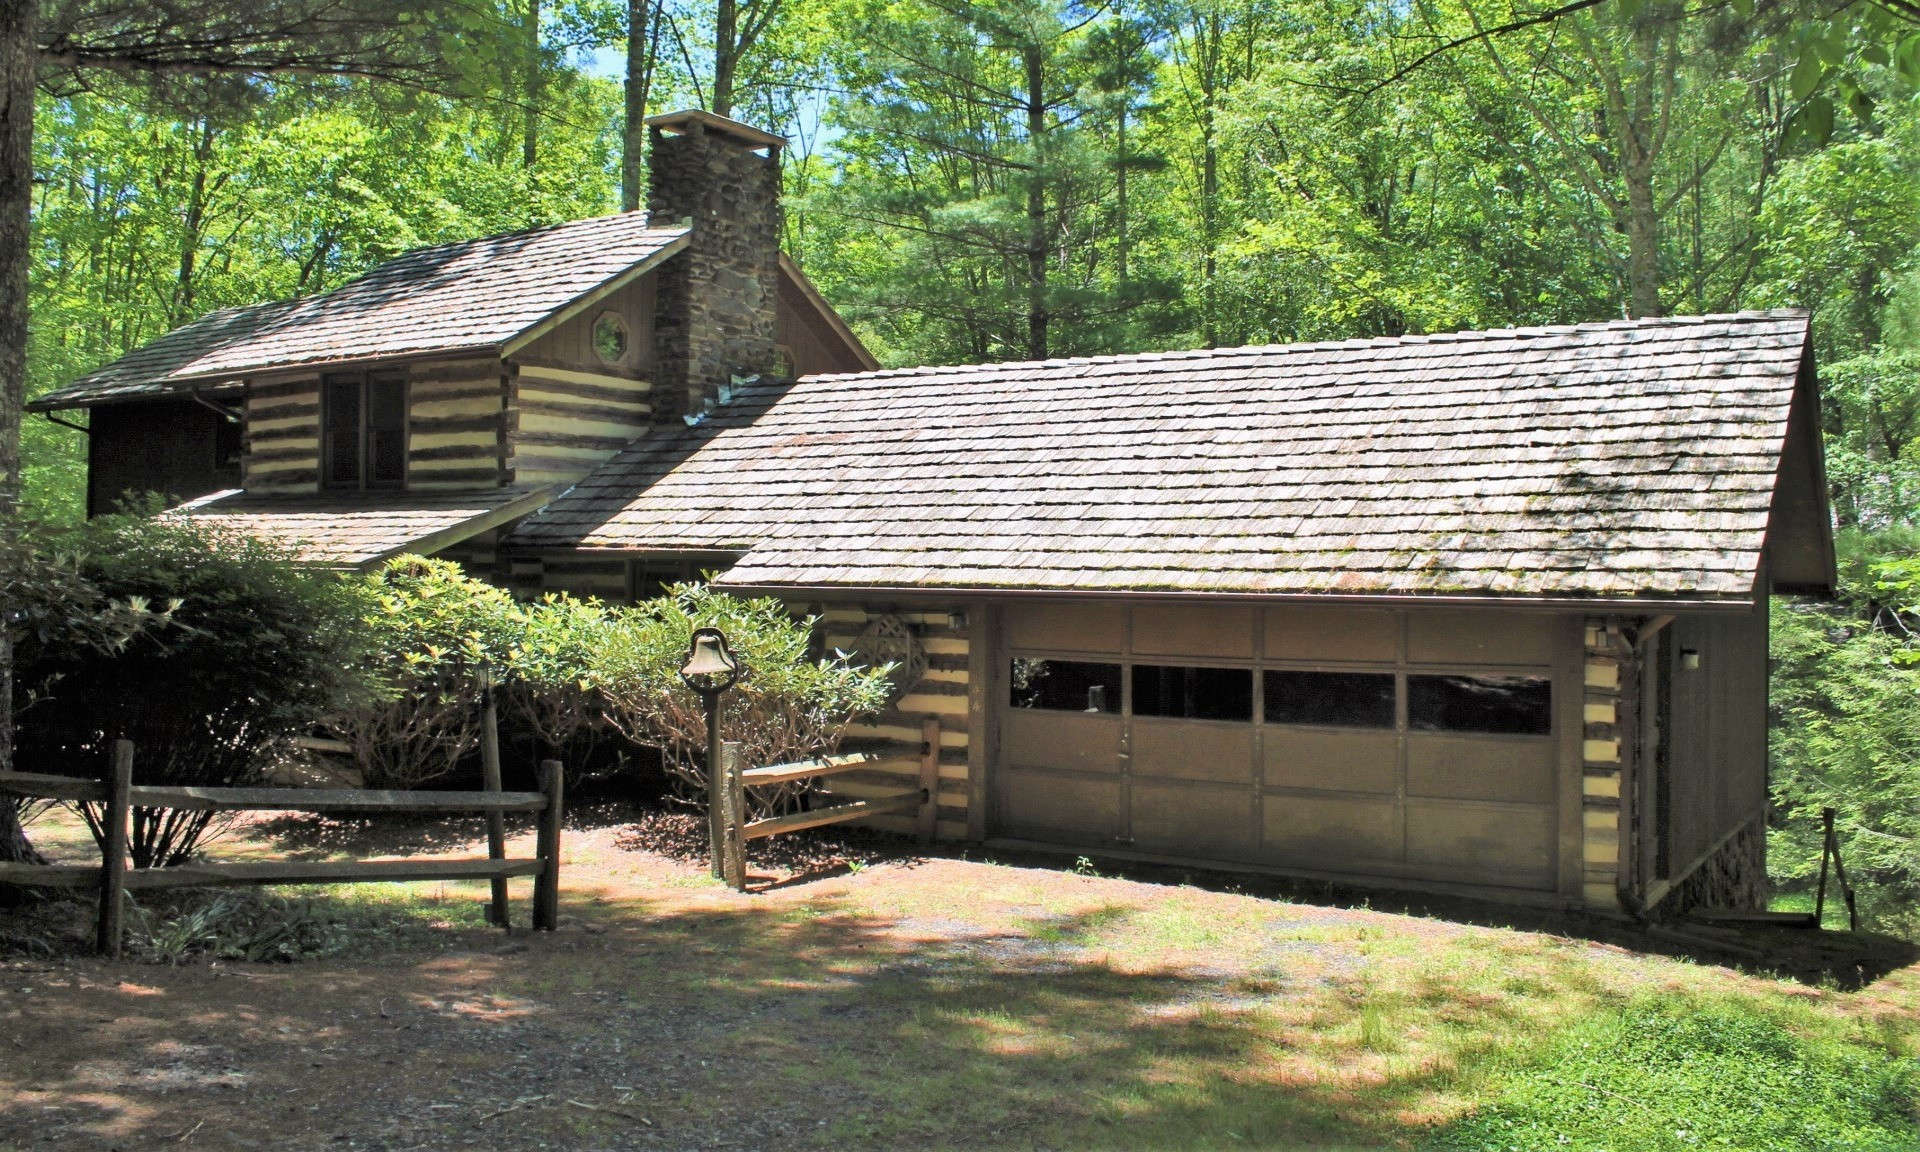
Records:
x=118, y=796
x=726, y=795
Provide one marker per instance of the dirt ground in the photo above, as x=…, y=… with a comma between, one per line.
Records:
x=963, y=1000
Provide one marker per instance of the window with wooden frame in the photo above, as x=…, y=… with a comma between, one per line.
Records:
x=363, y=417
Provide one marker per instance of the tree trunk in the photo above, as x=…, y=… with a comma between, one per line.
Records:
x=633, y=136
x=17, y=74
x=192, y=227
x=1209, y=228
x=1034, y=58
x=1643, y=239
x=530, y=130
x=1120, y=180
x=726, y=50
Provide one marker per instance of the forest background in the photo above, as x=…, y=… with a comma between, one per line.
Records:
x=1014, y=179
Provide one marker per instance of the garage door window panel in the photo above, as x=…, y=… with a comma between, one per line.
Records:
x=1490, y=705
x=1064, y=685
x=1328, y=699
x=1185, y=692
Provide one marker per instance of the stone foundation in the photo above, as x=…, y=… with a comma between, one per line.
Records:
x=1733, y=877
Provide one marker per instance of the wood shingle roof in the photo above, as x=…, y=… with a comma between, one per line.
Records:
x=471, y=295
x=360, y=529
x=1618, y=460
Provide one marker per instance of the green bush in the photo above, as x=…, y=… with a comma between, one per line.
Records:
x=1657, y=1078
x=249, y=648
x=51, y=606
x=550, y=689
x=786, y=705
x=439, y=638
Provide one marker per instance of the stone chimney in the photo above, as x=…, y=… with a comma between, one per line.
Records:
x=714, y=308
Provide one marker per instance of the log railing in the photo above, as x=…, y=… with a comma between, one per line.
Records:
x=118, y=796
x=727, y=796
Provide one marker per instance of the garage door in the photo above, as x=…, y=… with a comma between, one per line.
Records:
x=1412, y=744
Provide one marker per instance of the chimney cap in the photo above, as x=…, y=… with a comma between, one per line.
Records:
x=682, y=122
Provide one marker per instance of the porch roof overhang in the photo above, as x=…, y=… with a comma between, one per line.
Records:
x=359, y=530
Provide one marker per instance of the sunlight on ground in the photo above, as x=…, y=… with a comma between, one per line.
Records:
x=935, y=1001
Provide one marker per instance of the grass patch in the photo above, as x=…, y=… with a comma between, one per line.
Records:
x=1654, y=1078
x=297, y=923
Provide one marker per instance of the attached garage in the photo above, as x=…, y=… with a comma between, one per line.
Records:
x=1370, y=742
x=1484, y=611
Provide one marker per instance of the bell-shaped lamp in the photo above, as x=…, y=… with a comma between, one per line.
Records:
x=710, y=668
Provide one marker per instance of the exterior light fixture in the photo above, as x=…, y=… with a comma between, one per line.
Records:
x=1689, y=659
x=710, y=670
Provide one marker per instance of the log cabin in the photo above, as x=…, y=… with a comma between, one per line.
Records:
x=1481, y=613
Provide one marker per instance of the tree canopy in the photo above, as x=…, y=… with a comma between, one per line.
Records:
x=997, y=179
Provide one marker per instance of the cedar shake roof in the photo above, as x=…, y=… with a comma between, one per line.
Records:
x=360, y=529
x=145, y=370
x=472, y=295
x=1635, y=459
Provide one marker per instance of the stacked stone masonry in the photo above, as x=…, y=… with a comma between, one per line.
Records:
x=715, y=315
x=1733, y=876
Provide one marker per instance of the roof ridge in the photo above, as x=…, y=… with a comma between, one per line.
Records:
x=537, y=229
x=1531, y=332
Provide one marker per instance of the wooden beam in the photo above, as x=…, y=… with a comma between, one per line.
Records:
x=498, y=911
x=837, y=814
x=929, y=777
x=806, y=769
x=50, y=875
x=325, y=872
x=466, y=529
x=334, y=800
x=625, y=385
x=1737, y=916
x=48, y=787
x=546, y=884
x=114, y=821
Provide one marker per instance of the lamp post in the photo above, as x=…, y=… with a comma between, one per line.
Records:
x=710, y=670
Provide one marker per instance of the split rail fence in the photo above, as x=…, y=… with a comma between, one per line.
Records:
x=118, y=796
x=729, y=829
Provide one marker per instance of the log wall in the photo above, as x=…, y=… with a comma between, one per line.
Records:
x=454, y=419
x=282, y=452
x=563, y=423
x=945, y=692
x=1610, y=717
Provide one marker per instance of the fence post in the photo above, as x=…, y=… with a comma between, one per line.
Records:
x=716, y=791
x=497, y=911
x=113, y=856
x=734, y=851
x=546, y=886
x=930, y=777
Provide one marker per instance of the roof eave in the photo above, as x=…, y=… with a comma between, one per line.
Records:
x=48, y=402
x=238, y=374
x=1633, y=605
x=465, y=530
